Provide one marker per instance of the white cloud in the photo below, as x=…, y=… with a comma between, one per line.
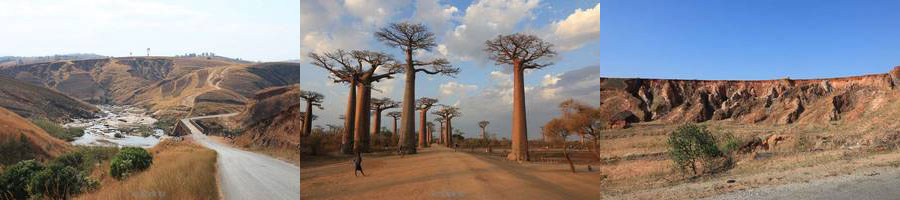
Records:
x=578, y=28
x=484, y=20
x=374, y=12
x=434, y=14
x=453, y=88
x=549, y=80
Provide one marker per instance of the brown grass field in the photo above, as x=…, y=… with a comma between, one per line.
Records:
x=180, y=170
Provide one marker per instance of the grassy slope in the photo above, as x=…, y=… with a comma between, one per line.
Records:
x=32, y=101
x=41, y=145
x=180, y=170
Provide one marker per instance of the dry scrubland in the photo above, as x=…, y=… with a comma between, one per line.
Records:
x=180, y=170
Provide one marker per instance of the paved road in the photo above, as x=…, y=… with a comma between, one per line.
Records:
x=248, y=175
x=880, y=184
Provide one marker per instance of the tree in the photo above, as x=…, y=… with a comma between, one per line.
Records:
x=339, y=64
x=448, y=113
x=582, y=119
x=410, y=38
x=523, y=52
x=430, y=131
x=441, y=120
x=483, y=125
x=312, y=99
x=348, y=67
x=379, y=105
x=423, y=105
x=556, y=130
x=396, y=116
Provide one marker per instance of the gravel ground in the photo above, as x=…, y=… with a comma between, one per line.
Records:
x=879, y=183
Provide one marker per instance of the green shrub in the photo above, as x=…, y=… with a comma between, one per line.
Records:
x=58, y=131
x=14, y=181
x=14, y=150
x=729, y=143
x=58, y=181
x=94, y=155
x=128, y=161
x=74, y=159
x=691, y=144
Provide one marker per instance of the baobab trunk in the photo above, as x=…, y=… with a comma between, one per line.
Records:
x=362, y=119
x=407, y=113
x=449, y=133
x=349, y=117
x=519, y=131
x=428, y=135
x=484, y=135
x=376, y=126
x=307, y=120
x=395, y=130
x=422, y=138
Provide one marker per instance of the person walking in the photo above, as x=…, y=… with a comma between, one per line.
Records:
x=358, y=163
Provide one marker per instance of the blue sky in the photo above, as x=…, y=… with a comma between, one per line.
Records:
x=252, y=30
x=747, y=39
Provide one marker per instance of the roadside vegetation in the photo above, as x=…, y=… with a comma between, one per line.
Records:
x=58, y=131
x=61, y=178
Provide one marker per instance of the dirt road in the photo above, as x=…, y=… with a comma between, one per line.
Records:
x=441, y=173
x=248, y=175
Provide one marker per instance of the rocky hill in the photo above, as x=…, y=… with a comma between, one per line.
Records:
x=272, y=119
x=783, y=101
x=31, y=101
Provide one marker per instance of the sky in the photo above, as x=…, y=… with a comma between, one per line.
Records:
x=250, y=30
x=715, y=40
x=483, y=90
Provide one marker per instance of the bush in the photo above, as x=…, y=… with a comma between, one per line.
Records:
x=729, y=142
x=14, y=150
x=14, y=181
x=128, y=161
x=74, y=159
x=691, y=144
x=58, y=131
x=59, y=181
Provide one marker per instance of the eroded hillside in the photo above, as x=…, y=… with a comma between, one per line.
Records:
x=165, y=85
x=22, y=140
x=32, y=101
x=272, y=120
x=782, y=101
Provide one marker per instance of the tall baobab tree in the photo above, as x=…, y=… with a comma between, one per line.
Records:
x=303, y=121
x=430, y=131
x=423, y=105
x=448, y=113
x=410, y=38
x=483, y=125
x=440, y=120
x=367, y=77
x=379, y=105
x=522, y=52
x=312, y=99
x=396, y=116
x=339, y=64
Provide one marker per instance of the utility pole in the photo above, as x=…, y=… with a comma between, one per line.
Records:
x=148, y=52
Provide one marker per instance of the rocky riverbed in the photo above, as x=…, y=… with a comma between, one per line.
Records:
x=119, y=126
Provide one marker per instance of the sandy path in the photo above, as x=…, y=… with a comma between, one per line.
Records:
x=248, y=175
x=441, y=173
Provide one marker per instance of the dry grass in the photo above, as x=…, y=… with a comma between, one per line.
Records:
x=180, y=170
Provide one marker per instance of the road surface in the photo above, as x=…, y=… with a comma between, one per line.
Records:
x=877, y=184
x=248, y=175
x=440, y=173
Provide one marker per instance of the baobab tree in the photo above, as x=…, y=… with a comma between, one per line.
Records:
x=430, y=130
x=410, y=38
x=483, y=125
x=423, y=105
x=448, y=113
x=522, y=52
x=583, y=119
x=396, y=116
x=351, y=67
x=379, y=105
x=339, y=64
x=303, y=121
x=312, y=99
x=440, y=120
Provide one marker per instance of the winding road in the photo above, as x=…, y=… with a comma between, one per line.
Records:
x=248, y=175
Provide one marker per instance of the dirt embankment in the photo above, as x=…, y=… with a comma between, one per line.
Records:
x=783, y=101
x=22, y=140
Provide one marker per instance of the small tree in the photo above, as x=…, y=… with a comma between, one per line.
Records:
x=691, y=144
x=557, y=132
x=423, y=105
x=448, y=113
x=14, y=181
x=379, y=105
x=312, y=99
x=396, y=116
x=58, y=181
x=483, y=125
x=128, y=161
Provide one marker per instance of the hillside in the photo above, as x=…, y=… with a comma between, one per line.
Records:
x=272, y=120
x=22, y=140
x=32, y=101
x=167, y=84
x=782, y=101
